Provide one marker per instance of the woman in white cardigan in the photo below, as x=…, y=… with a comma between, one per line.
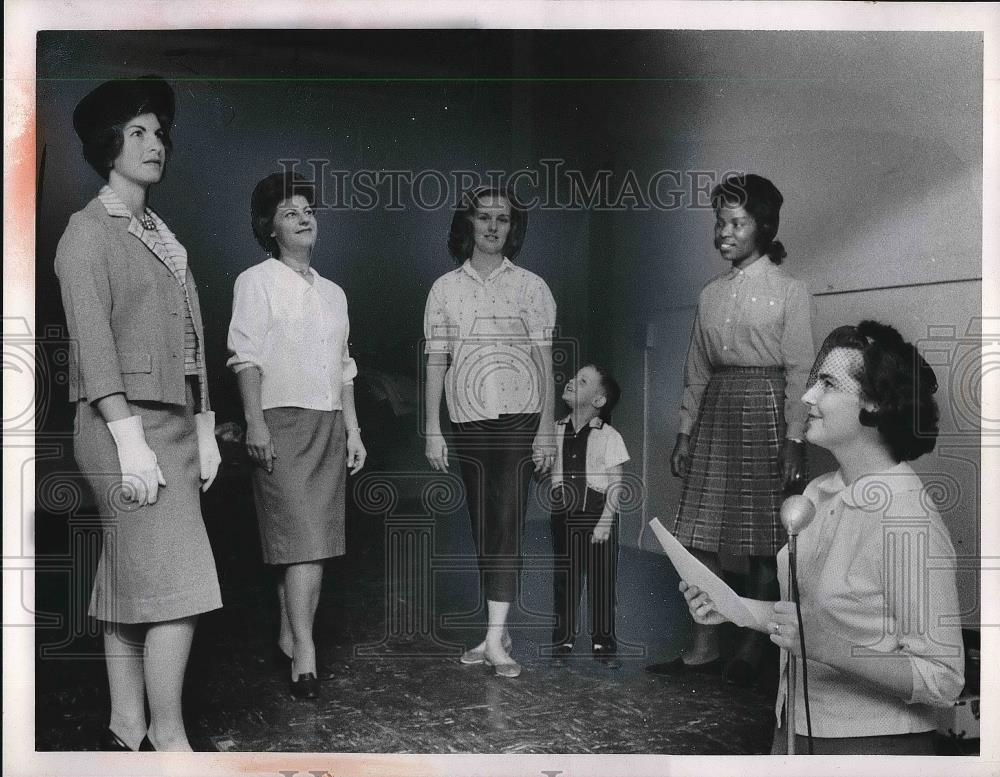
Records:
x=876, y=569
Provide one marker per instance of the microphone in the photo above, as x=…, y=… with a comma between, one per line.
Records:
x=797, y=513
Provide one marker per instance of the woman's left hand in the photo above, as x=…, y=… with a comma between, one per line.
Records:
x=356, y=453
x=783, y=627
x=791, y=461
x=543, y=452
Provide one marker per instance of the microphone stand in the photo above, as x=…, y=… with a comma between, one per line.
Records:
x=792, y=673
x=797, y=512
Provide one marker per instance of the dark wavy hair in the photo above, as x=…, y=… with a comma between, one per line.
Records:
x=267, y=195
x=461, y=239
x=897, y=380
x=612, y=391
x=762, y=200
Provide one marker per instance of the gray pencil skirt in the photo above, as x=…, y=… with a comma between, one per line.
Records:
x=300, y=503
x=156, y=562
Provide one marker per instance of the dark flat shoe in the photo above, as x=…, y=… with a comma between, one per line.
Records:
x=283, y=663
x=305, y=687
x=560, y=653
x=110, y=742
x=741, y=673
x=677, y=667
x=608, y=656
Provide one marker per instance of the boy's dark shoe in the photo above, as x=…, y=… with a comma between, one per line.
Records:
x=607, y=655
x=560, y=653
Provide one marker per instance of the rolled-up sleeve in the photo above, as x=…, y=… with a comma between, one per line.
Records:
x=697, y=371
x=541, y=312
x=249, y=324
x=349, y=368
x=440, y=334
x=82, y=267
x=797, y=355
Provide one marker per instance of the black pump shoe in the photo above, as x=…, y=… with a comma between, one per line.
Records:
x=110, y=742
x=283, y=663
x=305, y=687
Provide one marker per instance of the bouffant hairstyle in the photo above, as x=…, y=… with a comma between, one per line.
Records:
x=461, y=240
x=897, y=380
x=612, y=391
x=762, y=200
x=267, y=196
x=101, y=116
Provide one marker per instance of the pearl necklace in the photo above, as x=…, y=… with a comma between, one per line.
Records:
x=304, y=273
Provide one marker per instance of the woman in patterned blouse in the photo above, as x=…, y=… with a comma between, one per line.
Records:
x=488, y=326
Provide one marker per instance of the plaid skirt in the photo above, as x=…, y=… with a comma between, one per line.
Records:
x=733, y=490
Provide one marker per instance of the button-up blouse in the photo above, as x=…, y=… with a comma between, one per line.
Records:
x=757, y=316
x=876, y=570
x=489, y=327
x=295, y=332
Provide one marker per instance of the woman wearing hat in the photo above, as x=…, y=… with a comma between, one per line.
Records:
x=739, y=445
x=144, y=432
x=288, y=344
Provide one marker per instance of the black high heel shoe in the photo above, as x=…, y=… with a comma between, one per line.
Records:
x=283, y=663
x=305, y=687
x=110, y=742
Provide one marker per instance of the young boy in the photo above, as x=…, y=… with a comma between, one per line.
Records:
x=586, y=481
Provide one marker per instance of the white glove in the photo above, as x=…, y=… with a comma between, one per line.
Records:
x=141, y=475
x=208, y=448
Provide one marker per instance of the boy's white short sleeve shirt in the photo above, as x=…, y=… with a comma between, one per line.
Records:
x=605, y=449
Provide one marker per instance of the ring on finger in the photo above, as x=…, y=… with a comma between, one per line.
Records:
x=776, y=628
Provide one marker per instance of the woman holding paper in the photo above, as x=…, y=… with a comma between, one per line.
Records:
x=145, y=436
x=739, y=445
x=881, y=623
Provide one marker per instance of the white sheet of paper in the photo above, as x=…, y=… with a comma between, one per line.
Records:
x=693, y=572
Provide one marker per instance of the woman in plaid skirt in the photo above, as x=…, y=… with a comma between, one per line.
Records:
x=739, y=445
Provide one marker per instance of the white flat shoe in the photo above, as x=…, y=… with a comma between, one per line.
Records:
x=474, y=656
x=507, y=669
x=477, y=655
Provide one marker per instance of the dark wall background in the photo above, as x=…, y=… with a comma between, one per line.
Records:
x=874, y=138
